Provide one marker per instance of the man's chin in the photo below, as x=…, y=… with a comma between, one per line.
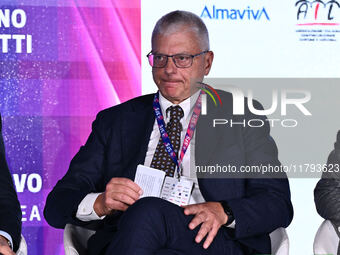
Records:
x=175, y=98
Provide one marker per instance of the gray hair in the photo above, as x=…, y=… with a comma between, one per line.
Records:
x=171, y=22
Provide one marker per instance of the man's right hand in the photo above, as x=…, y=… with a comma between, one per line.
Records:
x=119, y=194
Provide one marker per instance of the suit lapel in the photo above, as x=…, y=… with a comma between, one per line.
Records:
x=138, y=124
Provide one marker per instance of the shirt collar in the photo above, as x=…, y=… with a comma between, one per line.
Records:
x=187, y=105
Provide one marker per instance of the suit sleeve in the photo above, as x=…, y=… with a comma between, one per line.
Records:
x=327, y=190
x=267, y=205
x=10, y=211
x=84, y=176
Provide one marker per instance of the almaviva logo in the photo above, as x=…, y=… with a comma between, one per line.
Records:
x=234, y=14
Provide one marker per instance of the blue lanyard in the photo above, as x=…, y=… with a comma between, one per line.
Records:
x=165, y=136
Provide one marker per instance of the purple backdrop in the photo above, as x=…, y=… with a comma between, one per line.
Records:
x=85, y=57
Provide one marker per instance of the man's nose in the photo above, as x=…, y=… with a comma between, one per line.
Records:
x=170, y=66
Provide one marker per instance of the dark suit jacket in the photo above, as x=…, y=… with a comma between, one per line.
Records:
x=118, y=143
x=10, y=211
x=327, y=190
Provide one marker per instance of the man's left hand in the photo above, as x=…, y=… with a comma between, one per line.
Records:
x=212, y=217
x=4, y=247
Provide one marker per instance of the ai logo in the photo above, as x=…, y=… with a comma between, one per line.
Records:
x=318, y=12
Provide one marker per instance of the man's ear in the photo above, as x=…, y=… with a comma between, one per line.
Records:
x=208, y=59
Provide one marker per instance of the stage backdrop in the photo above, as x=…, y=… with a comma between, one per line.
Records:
x=63, y=61
x=60, y=63
x=271, y=47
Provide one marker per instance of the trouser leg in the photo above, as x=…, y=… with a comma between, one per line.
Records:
x=155, y=226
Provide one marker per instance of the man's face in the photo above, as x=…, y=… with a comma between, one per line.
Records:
x=177, y=84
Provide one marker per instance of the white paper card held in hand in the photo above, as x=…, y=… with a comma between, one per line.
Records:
x=150, y=180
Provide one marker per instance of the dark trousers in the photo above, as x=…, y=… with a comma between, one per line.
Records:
x=155, y=226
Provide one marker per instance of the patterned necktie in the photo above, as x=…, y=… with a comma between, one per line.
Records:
x=161, y=159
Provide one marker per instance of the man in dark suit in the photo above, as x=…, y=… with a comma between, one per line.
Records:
x=327, y=190
x=224, y=215
x=10, y=211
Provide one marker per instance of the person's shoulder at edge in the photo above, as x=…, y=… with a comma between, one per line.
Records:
x=134, y=104
x=333, y=162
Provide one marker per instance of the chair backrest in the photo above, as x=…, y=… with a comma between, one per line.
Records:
x=326, y=240
x=75, y=239
x=22, y=247
x=279, y=242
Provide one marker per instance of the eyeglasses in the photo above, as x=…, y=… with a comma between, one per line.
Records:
x=180, y=60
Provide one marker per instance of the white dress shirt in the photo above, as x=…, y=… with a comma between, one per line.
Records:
x=85, y=209
x=188, y=159
x=7, y=236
